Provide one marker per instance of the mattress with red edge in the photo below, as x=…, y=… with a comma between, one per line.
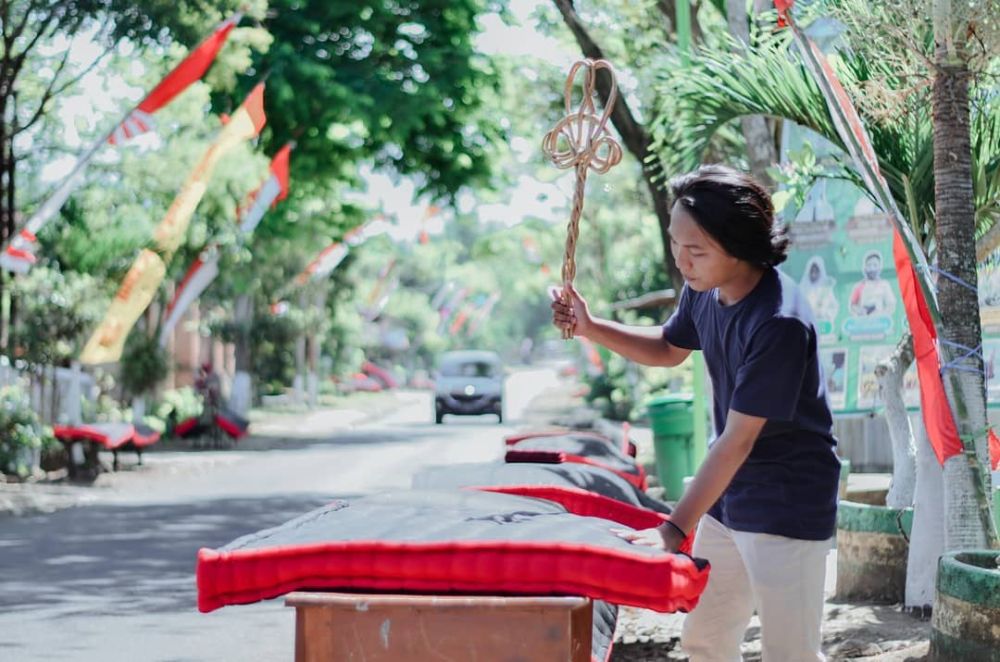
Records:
x=571, y=474
x=189, y=426
x=624, y=444
x=231, y=423
x=580, y=448
x=108, y=435
x=143, y=436
x=465, y=542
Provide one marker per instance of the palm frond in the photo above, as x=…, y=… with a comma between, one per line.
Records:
x=722, y=85
x=985, y=129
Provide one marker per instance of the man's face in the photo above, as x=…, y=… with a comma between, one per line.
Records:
x=701, y=260
x=873, y=266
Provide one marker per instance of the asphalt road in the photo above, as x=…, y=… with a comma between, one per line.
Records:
x=113, y=579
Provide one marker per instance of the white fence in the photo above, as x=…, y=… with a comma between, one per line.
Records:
x=55, y=393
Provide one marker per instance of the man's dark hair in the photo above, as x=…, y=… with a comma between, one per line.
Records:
x=735, y=210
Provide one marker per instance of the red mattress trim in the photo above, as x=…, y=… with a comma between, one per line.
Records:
x=668, y=582
x=639, y=481
x=230, y=428
x=90, y=433
x=518, y=437
x=141, y=441
x=185, y=426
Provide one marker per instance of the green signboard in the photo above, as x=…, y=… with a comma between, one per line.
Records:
x=842, y=259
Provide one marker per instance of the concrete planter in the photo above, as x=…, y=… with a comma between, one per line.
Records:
x=872, y=547
x=966, y=620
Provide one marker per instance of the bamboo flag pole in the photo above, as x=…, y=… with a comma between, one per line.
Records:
x=589, y=145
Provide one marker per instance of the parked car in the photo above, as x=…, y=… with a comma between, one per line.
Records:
x=469, y=383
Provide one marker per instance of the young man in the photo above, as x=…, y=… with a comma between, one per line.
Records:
x=765, y=498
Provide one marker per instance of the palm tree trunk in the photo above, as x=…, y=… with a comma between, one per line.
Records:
x=967, y=516
x=890, y=377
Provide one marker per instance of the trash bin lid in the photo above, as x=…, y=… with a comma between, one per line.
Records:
x=671, y=399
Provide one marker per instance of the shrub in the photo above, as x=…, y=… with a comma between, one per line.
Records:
x=143, y=363
x=21, y=433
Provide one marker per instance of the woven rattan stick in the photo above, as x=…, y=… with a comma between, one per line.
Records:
x=588, y=146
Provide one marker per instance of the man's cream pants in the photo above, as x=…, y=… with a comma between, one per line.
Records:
x=781, y=578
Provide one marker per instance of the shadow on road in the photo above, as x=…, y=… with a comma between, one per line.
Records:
x=301, y=441
x=125, y=559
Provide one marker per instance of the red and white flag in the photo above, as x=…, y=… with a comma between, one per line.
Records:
x=324, y=263
x=939, y=420
x=331, y=256
x=191, y=69
x=18, y=254
x=994, y=445
x=18, y=257
x=199, y=276
x=205, y=268
x=273, y=190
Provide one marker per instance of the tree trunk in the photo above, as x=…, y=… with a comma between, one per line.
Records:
x=315, y=349
x=6, y=154
x=890, y=378
x=138, y=408
x=927, y=535
x=757, y=131
x=634, y=137
x=11, y=225
x=74, y=409
x=241, y=394
x=299, y=383
x=967, y=516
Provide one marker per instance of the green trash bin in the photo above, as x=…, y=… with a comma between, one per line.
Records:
x=672, y=420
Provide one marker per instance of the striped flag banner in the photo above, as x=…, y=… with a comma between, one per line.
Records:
x=199, y=276
x=373, y=228
x=449, y=308
x=330, y=257
x=381, y=291
x=190, y=69
x=205, y=268
x=133, y=297
x=324, y=263
x=106, y=343
x=18, y=254
x=918, y=295
x=483, y=312
x=244, y=124
x=269, y=194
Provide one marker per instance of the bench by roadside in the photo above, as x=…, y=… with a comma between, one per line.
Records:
x=269, y=429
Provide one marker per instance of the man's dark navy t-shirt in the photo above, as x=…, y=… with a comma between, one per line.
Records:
x=761, y=354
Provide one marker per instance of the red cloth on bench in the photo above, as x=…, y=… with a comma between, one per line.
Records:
x=108, y=435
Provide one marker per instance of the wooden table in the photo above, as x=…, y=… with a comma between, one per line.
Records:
x=341, y=627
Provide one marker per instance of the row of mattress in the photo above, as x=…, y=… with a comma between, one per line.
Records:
x=538, y=522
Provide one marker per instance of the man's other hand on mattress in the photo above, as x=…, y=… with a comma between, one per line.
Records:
x=663, y=537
